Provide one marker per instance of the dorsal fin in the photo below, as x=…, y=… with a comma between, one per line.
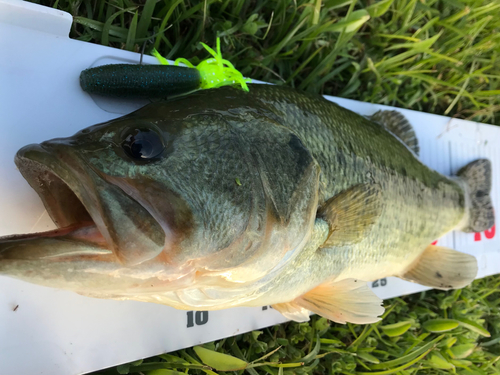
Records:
x=398, y=125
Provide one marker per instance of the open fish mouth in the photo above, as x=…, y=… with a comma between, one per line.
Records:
x=44, y=173
x=62, y=204
x=94, y=217
x=107, y=244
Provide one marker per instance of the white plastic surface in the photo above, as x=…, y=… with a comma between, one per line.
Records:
x=58, y=332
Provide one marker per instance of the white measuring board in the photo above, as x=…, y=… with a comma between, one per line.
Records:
x=58, y=332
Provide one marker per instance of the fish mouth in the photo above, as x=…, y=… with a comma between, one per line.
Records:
x=90, y=213
x=38, y=167
x=107, y=245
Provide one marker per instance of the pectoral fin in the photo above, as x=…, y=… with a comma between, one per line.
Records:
x=351, y=213
x=348, y=300
x=442, y=268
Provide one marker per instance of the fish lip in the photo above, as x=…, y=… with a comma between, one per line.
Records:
x=55, y=184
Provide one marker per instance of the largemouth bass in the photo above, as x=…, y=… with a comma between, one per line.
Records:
x=228, y=198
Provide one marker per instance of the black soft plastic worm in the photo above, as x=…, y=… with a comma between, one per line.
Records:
x=139, y=81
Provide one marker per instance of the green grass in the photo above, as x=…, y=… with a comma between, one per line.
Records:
x=429, y=333
x=434, y=56
x=428, y=55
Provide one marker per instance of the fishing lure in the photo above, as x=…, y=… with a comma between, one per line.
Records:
x=165, y=80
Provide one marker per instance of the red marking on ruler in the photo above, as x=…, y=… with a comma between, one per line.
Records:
x=489, y=234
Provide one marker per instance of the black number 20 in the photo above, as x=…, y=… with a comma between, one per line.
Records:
x=381, y=282
x=200, y=318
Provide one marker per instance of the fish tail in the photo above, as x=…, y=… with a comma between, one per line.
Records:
x=476, y=176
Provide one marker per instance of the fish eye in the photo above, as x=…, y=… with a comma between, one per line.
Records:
x=142, y=144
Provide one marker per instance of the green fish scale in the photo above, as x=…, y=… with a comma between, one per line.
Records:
x=228, y=133
x=418, y=204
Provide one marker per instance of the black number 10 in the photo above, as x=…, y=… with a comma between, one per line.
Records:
x=200, y=318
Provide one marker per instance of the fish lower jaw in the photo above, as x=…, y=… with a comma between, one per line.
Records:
x=59, y=244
